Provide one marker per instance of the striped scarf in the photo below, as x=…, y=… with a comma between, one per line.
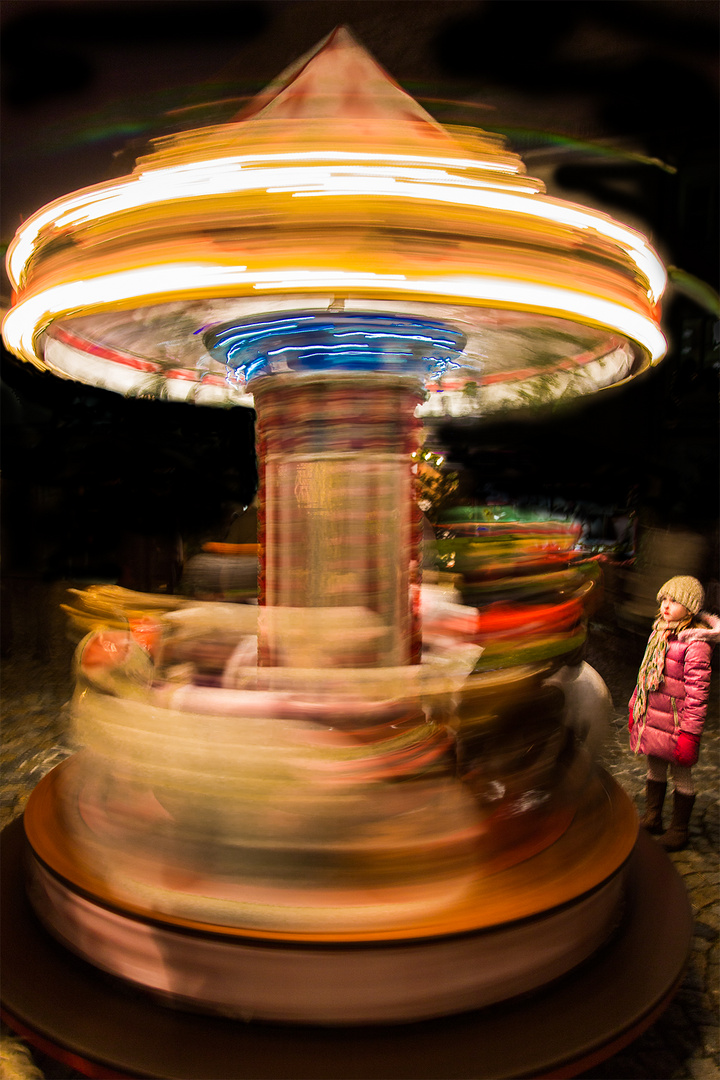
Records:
x=652, y=668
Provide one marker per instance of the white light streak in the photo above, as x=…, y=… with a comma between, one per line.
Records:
x=144, y=285
x=430, y=185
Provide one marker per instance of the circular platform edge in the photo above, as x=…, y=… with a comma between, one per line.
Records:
x=569, y=1026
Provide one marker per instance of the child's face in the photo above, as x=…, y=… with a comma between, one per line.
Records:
x=671, y=611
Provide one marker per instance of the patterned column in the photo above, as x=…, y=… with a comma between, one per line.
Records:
x=338, y=515
x=338, y=524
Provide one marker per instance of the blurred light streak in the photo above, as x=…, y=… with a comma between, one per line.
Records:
x=30, y=316
x=226, y=176
x=311, y=192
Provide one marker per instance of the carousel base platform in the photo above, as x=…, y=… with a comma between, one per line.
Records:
x=102, y=1027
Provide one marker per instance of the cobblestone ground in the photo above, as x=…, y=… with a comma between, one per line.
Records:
x=683, y=1043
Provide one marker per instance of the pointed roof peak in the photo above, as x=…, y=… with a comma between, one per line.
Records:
x=339, y=80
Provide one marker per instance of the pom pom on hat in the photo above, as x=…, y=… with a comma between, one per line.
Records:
x=684, y=590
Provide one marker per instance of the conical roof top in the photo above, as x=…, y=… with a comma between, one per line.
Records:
x=339, y=80
x=336, y=97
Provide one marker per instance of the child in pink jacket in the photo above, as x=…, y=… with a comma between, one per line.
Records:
x=669, y=703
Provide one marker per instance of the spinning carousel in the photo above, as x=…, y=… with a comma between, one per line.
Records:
x=357, y=824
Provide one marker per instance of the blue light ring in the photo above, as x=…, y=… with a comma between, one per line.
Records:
x=305, y=340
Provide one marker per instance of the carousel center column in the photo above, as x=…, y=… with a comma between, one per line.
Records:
x=338, y=523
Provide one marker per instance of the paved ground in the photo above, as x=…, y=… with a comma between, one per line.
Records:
x=683, y=1043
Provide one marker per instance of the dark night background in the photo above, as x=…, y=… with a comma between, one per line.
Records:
x=89, y=478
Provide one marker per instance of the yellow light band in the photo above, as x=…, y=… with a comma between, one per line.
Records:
x=147, y=285
x=228, y=177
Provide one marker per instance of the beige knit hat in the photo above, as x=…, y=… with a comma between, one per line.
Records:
x=684, y=590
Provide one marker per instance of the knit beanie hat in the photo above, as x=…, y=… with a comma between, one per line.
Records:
x=684, y=590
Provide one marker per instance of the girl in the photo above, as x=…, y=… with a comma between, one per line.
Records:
x=668, y=705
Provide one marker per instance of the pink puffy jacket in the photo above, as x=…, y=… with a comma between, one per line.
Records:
x=678, y=705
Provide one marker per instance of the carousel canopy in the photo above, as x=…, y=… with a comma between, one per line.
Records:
x=333, y=188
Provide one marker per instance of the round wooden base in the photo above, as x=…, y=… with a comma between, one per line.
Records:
x=107, y=1029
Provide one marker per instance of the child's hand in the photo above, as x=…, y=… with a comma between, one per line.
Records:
x=686, y=749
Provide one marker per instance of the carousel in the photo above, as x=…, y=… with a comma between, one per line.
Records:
x=336, y=831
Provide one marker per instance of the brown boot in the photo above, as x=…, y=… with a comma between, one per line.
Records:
x=654, y=799
x=676, y=837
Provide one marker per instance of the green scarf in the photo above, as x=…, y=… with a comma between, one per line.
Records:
x=652, y=668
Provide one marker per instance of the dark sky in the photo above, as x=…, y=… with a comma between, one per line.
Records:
x=80, y=79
